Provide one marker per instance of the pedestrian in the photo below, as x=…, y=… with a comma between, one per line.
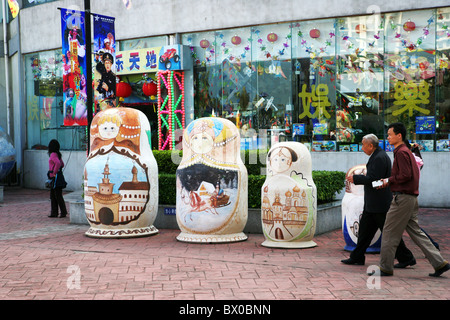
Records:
x=376, y=204
x=55, y=163
x=402, y=214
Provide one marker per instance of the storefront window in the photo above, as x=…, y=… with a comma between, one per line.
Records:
x=442, y=79
x=410, y=74
x=45, y=103
x=314, y=72
x=360, y=81
x=329, y=82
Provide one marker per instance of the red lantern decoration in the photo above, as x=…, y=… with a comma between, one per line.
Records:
x=272, y=37
x=409, y=26
x=123, y=90
x=236, y=40
x=150, y=88
x=314, y=33
x=360, y=28
x=204, y=43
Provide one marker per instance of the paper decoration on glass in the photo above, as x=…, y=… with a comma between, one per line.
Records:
x=410, y=95
x=317, y=98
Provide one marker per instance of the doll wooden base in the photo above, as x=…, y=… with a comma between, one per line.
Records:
x=121, y=233
x=289, y=245
x=207, y=238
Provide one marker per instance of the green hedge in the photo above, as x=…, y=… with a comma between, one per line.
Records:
x=328, y=183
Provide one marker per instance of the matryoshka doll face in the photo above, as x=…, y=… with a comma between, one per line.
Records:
x=280, y=160
x=202, y=143
x=108, y=130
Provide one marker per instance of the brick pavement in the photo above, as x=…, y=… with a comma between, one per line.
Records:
x=51, y=259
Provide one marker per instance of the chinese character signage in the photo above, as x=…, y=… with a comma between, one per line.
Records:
x=409, y=96
x=316, y=100
x=137, y=61
x=155, y=59
x=105, y=58
x=74, y=75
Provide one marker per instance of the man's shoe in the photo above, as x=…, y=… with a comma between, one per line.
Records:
x=440, y=271
x=353, y=262
x=382, y=274
x=403, y=265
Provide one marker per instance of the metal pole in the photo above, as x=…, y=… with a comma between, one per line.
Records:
x=89, y=91
x=5, y=40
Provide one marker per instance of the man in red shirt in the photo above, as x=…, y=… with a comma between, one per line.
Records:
x=402, y=215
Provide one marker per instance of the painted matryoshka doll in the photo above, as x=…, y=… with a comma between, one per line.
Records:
x=289, y=198
x=352, y=209
x=212, y=183
x=120, y=176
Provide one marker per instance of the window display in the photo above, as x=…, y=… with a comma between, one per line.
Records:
x=329, y=82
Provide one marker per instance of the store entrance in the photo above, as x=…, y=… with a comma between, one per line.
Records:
x=151, y=112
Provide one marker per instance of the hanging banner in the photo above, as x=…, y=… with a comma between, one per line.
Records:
x=104, y=59
x=14, y=7
x=74, y=71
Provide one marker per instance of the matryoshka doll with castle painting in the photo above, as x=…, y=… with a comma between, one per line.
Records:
x=120, y=176
x=212, y=183
x=289, y=198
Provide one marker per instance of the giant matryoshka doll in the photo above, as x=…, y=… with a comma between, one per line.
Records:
x=352, y=209
x=120, y=176
x=289, y=198
x=212, y=183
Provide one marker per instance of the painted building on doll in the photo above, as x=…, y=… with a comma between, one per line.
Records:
x=323, y=73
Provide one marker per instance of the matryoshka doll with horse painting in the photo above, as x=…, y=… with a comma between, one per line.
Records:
x=212, y=183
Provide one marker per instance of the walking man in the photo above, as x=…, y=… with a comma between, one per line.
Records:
x=402, y=215
x=376, y=204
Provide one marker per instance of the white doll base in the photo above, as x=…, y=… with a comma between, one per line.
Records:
x=211, y=238
x=289, y=245
x=121, y=233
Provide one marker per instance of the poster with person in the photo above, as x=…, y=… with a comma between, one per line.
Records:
x=104, y=61
x=74, y=75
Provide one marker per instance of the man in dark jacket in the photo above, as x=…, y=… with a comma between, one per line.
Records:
x=376, y=204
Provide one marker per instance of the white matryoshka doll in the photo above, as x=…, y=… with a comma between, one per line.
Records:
x=120, y=176
x=352, y=209
x=289, y=198
x=212, y=183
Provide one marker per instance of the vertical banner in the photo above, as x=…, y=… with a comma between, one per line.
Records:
x=74, y=70
x=104, y=60
x=14, y=7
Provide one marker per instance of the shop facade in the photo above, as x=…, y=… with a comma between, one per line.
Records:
x=325, y=81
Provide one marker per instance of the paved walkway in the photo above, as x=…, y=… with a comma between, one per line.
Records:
x=51, y=259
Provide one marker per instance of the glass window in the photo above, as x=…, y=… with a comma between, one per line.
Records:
x=360, y=81
x=314, y=73
x=43, y=74
x=410, y=74
x=443, y=79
